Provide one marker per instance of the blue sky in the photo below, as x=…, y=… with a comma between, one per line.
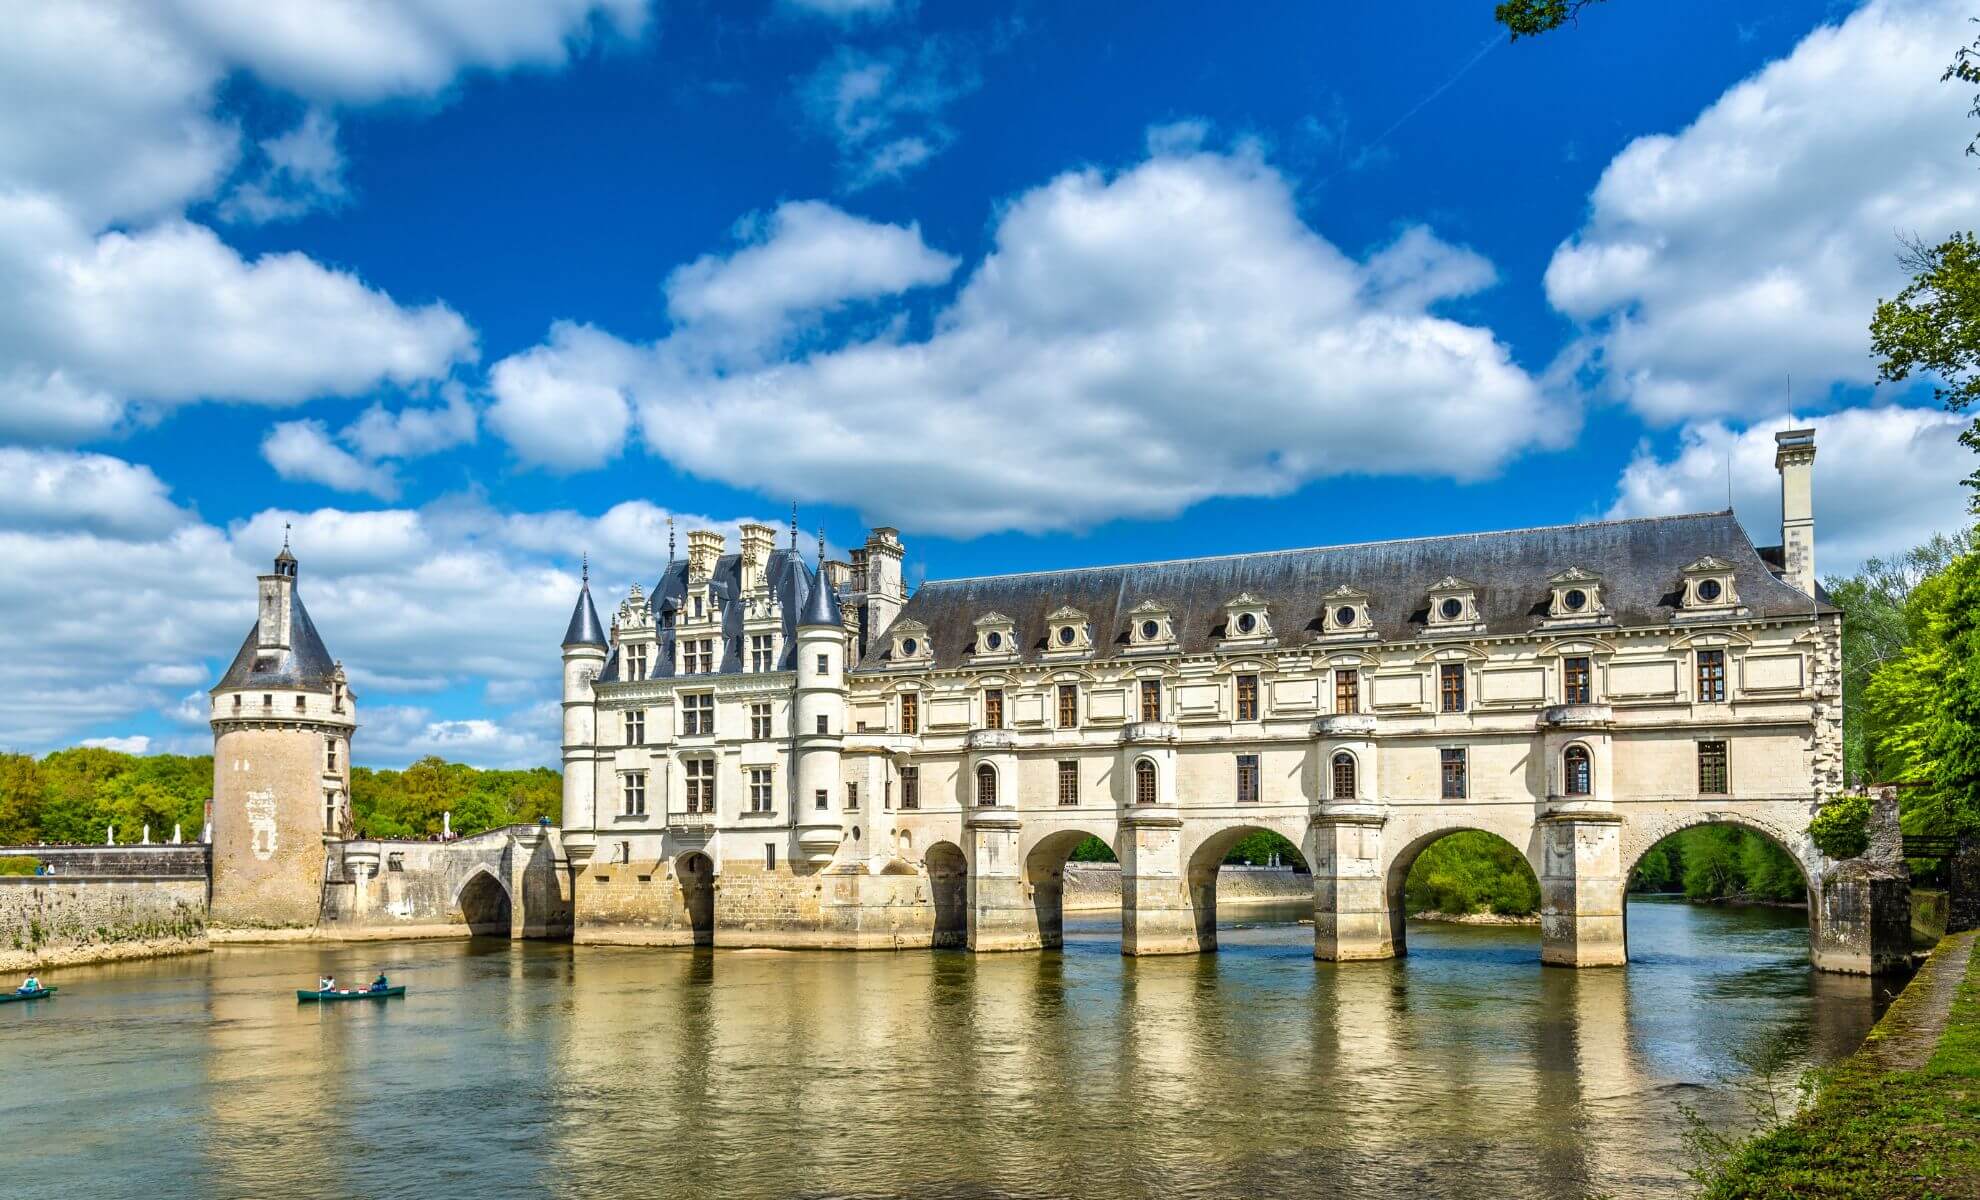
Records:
x=463, y=293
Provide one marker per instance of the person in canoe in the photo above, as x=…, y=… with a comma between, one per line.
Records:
x=29, y=986
x=379, y=984
x=327, y=983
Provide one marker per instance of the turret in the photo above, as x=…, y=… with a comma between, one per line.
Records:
x=584, y=657
x=819, y=711
x=1794, y=458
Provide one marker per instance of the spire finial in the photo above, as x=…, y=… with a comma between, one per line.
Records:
x=821, y=547
x=670, y=540
x=285, y=536
x=793, y=527
x=584, y=568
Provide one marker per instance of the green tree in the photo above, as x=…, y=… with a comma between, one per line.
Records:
x=20, y=799
x=1471, y=872
x=1263, y=849
x=1926, y=702
x=1933, y=327
x=1093, y=850
x=1530, y=18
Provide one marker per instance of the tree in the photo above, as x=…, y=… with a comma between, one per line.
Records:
x=1471, y=872
x=1926, y=702
x=1933, y=326
x=1530, y=18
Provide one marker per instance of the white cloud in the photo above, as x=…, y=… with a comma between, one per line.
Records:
x=301, y=170
x=413, y=432
x=561, y=404
x=1886, y=479
x=843, y=10
x=135, y=744
x=1133, y=344
x=527, y=737
x=93, y=493
x=884, y=108
x=302, y=450
x=1756, y=242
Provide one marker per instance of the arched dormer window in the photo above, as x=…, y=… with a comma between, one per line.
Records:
x=1144, y=782
x=986, y=786
x=1344, y=776
x=1577, y=771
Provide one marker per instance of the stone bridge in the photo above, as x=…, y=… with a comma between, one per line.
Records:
x=507, y=882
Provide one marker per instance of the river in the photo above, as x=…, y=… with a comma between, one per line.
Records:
x=1464, y=1069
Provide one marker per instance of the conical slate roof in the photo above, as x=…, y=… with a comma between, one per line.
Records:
x=821, y=606
x=306, y=665
x=584, y=629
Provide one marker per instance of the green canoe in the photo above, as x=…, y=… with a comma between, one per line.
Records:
x=367, y=994
x=10, y=997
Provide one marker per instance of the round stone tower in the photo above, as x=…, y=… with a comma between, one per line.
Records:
x=282, y=720
x=585, y=651
x=819, y=712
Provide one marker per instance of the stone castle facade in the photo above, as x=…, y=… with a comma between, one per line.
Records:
x=764, y=752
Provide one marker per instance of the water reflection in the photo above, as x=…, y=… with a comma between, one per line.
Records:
x=1465, y=1069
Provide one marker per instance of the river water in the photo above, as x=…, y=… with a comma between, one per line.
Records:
x=1465, y=1069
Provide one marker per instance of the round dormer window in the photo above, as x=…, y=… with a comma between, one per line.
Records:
x=993, y=640
x=1247, y=623
x=1451, y=609
x=1344, y=616
x=1574, y=600
x=1709, y=590
x=1067, y=634
x=1150, y=630
x=910, y=647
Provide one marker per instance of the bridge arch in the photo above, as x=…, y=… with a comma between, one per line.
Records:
x=948, y=892
x=1206, y=857
x=694, y=875
x=484, y=903
x=1776, y=823
x=1044, y=867
x=1396, y=874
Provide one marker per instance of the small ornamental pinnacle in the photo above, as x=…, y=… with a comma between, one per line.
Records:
x=821, y=547
x=793, y=527
x=670, y=539
x=584, y=568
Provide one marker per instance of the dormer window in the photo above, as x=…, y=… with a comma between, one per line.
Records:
x=1453, y=605
x=1067, y=632
x=910, y=643
x=1708, y=586
x=1150, y=627
x=1345, y=611
x=996, y=637
x=1576, y=596
x=1247, y=621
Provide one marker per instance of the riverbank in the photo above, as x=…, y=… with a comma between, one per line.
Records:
x=1900, y=1117
x=1478, y=918
x=68, y=921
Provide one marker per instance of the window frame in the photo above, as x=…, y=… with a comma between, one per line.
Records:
x=911, y=787
x=1577, y=759
x=762, y=724
x=1343, y=769
x=762, y=652
x=1710, y=664
x=986, y=785
x=1068, y=706
x=1249, y=779
x=1151, y=700
x=910, y=715
x=635, y=719
x=762, y=790
x=1147, y=784
x=1577, y=679
x=1245, y=697
x=632, y=794
x=993, y=708
x=699, y=774
x=1451, y=688
x=1453, y=773
x=1068, y=782
x=1347, y=690
x=1719, y=749
x=697, y=714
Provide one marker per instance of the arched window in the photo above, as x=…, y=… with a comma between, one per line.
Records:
x=1144, y=782
x=1344, y=776
x=1576, y=771
x=986, y=785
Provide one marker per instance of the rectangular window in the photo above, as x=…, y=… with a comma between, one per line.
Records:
x=1575, y=681
x=887, y=793
x=824, y=664
x=820, y=800
x=1450, y=687
x=330, y=812
x=698, y=714
x=824, y=725
x=1455, y=783
x=1068, y=782
x=762, y=656
x=1247, y=697
x=636, y=662
x=698, y=656
x=633, y=802
x=993, y=708
x=852, y=795
x=910, y=787
x=1347, y=690
x=1712, y=676
x=700, y=785
x=910, y=713
x=769, y=856
x=1247, y=779
x=759, y=721
x=330, y=754
x=1068, y=706
x=1712, y=775
x=1151, y=699
x=759, y=789
x=636, y=727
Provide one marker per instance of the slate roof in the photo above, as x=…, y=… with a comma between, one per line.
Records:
x=584, y=629
x=306, y=665
x=790, y=581
x=1640, y=562
x=821, y=607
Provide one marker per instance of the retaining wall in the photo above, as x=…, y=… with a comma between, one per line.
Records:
x=49, y=922
x=150, y=862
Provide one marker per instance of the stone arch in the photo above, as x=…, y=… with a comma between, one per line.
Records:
x=1201, y=864
x=948, y=888
x=1396, y=874
x=484, y=904
x=1773, y=823
x=694, y=874
x=1044, y=866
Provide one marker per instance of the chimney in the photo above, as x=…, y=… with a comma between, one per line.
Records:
x=704, y=547
x=757, y=543
x=278, y=591
x=884, y=595
x=1794, y=457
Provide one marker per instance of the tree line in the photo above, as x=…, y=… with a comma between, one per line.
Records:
x=75, y=796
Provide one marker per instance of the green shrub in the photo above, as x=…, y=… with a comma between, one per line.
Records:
x=1842, y=828
x=19, y=864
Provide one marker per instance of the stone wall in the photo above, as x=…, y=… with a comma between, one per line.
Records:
x=503, y=883
x=151, y=862
x=746, y=905
x=47, y=922
x=1091, y=886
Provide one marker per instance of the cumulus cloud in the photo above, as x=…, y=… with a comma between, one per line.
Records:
x=413, y=432
x=300, y=170
x=1134, y=342
x=527, y=737
x=92, y=493
x=884, y=107
x=1886, y=479
x=843, y=10
x=134, y=744
x=1755, y=243
x=561, y=404
x=302, y=450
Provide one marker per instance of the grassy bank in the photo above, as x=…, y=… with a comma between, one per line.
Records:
x=1882, y=1128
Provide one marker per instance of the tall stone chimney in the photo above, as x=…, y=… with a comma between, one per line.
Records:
x=274, y=626
x=884, y=594
x=704, y=547
x=757, y=543
x=1794, y=457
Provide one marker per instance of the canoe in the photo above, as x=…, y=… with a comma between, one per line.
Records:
x=10, y=997
x=367, y=994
